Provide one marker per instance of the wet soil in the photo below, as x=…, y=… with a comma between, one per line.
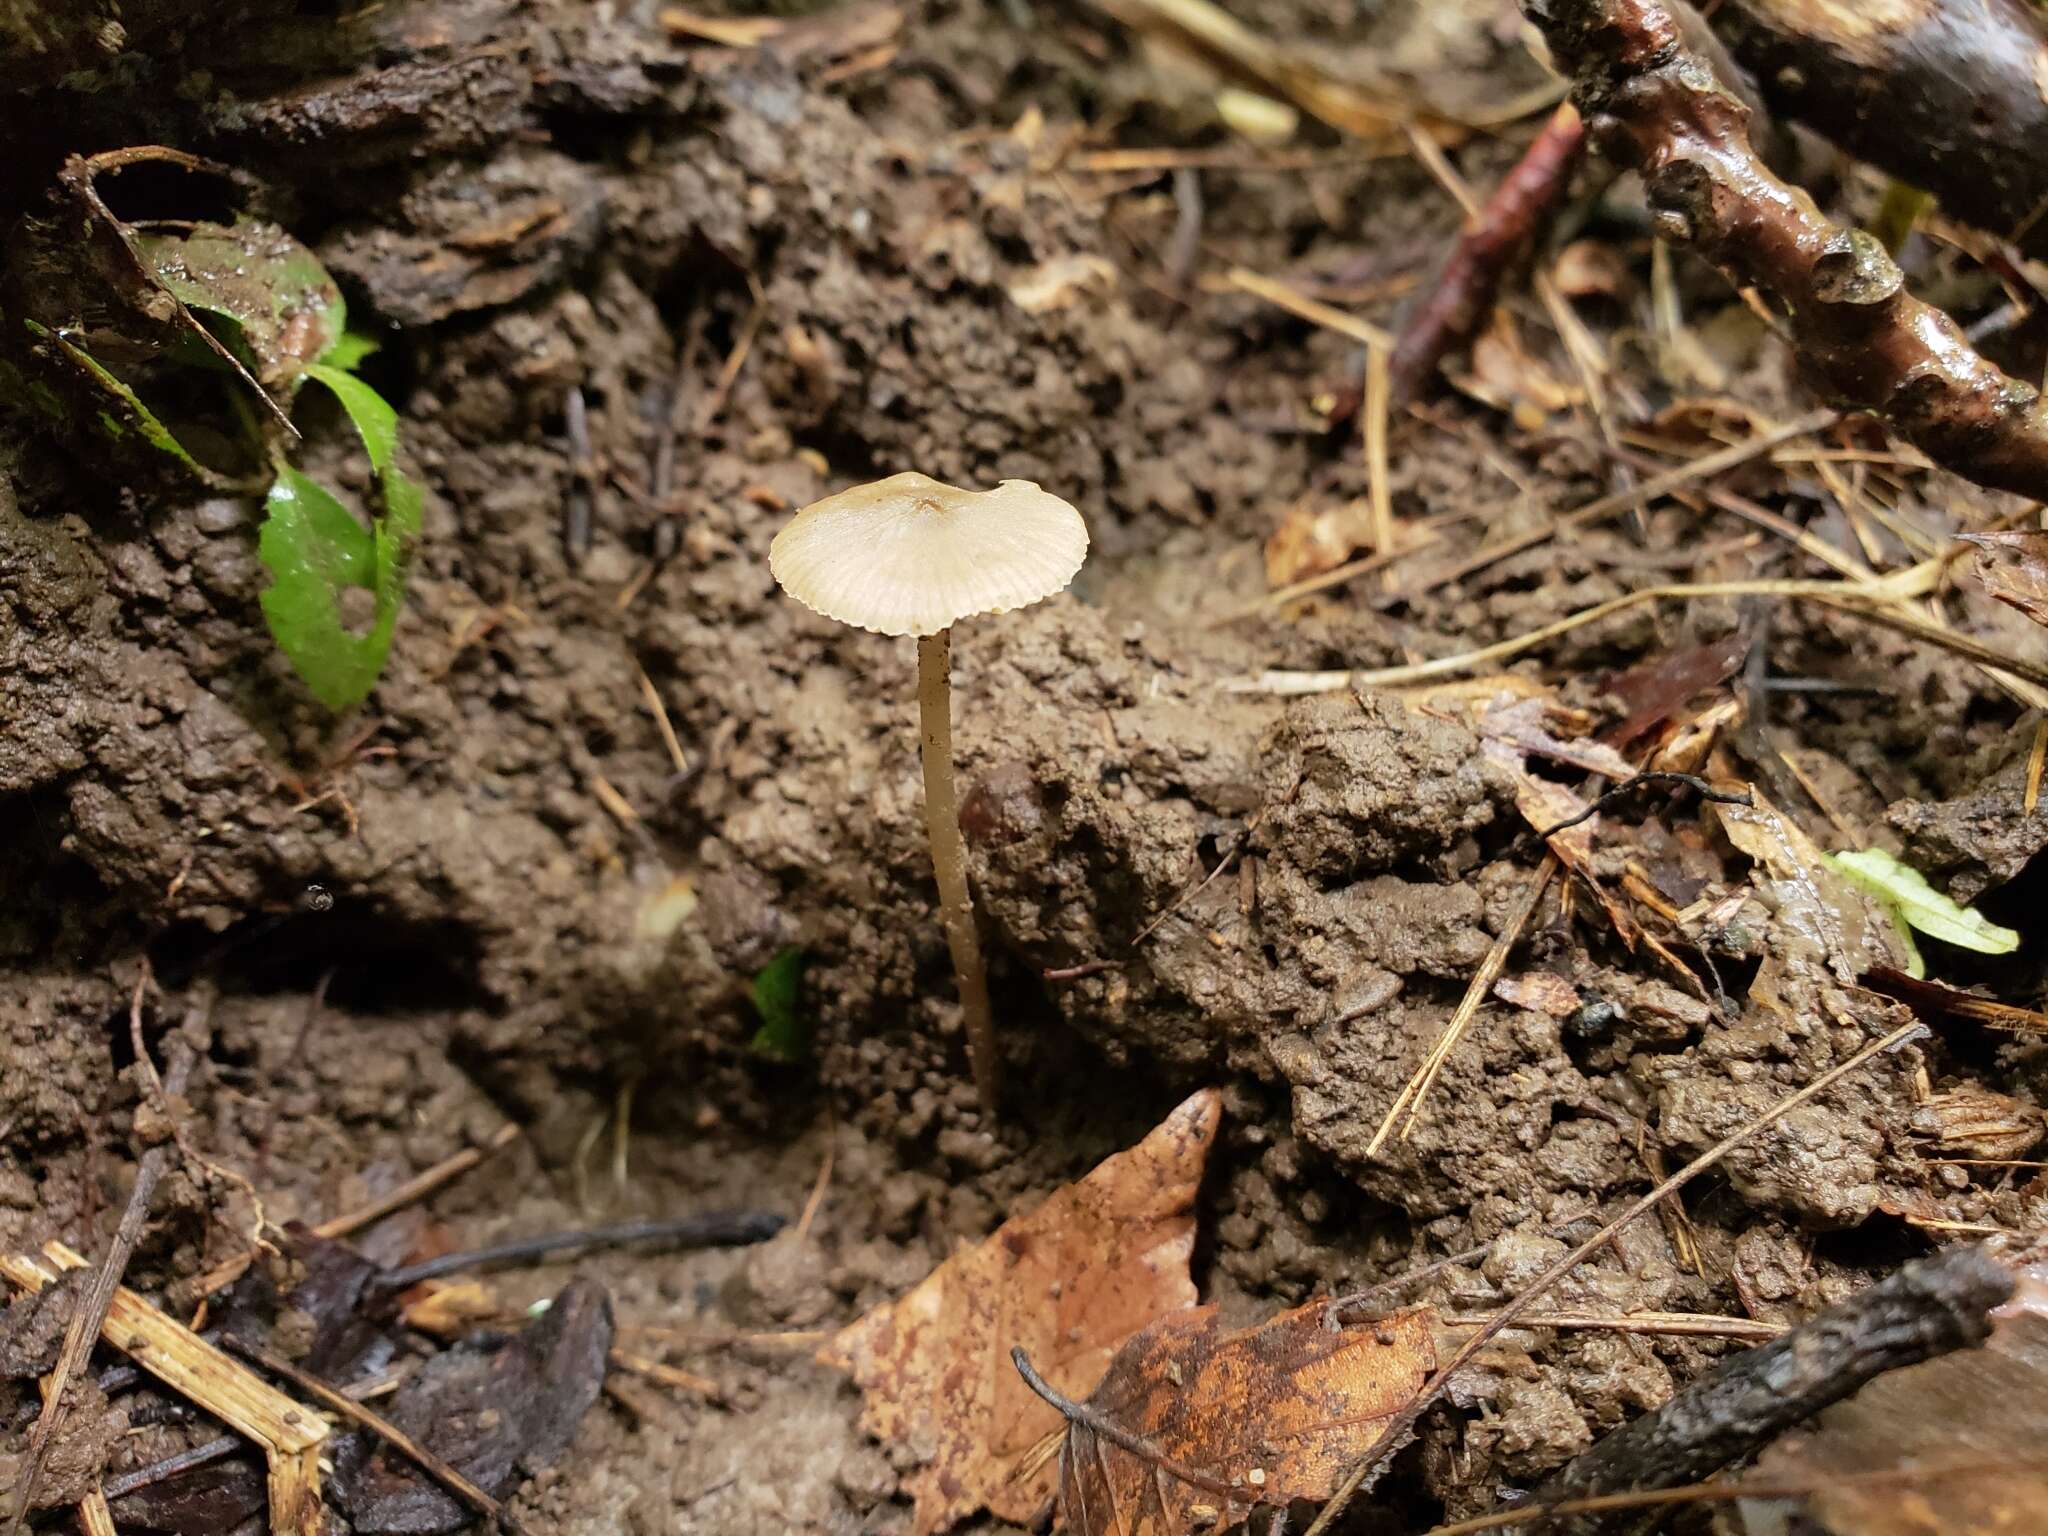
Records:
x=494, y=894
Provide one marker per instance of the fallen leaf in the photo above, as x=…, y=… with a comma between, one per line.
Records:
x=1589, y=269
x=1816, y=900
x=1539, y=992
x=1068, y=1283
x=1973, y=1121
x=1313, y=537
x=1506, y=376
x=1208, y=1426
x=2014, y=569
x=1655, y=691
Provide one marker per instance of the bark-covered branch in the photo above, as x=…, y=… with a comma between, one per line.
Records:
x=1929, y=1307
x=1945, y=94
x=1651, y=102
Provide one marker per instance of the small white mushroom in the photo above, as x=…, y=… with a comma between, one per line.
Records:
x=910, y=555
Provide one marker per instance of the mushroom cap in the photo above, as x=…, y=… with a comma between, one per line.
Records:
x=911, y=555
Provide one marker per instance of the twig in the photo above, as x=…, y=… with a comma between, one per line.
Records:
x=579, y=501
x=1629, y=785
x=735, y=360
x=655, y=707
x=667, y=1375
x=341, y=1403
x=1653, y=103
x=1403, y=1422
x=1698, y=1325
x=90, y=1314
x=1303, y=307
x=1866, y=601
x=415, y=1188
x=1638, y=495
x=1099, y=1423
x=1926, y=1308
x=1487, y=247
x=1373, y=413
x=172, y=1466
x=720, y=1229
x=1425, y=1076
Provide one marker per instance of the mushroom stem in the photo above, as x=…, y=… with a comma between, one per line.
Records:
x=949, y=855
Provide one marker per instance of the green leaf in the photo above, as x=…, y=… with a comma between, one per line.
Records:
x=315, y=550
x=127, y=416
x=349, y=350
x=285, y=311
x=777, y=994
x=376, y=422
x=1914, y=903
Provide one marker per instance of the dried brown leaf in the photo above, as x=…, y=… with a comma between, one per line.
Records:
x=1216, y=1424
x=2014, y=569
x=1539, y=992
x=1069, y=1283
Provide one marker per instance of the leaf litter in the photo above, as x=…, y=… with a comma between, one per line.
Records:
x=1068, y=1282
x=1194, y=1428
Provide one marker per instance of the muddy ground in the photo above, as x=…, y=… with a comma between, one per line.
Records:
x=791, y=270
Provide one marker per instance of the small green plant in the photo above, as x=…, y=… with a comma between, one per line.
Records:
x=777, y=994
x=1911, y=903
x=248, y=303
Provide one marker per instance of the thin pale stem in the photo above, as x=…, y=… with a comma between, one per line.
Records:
x=949, y=855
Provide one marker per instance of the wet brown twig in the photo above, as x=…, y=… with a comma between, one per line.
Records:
x=1634, y=782
x=1487, y=248
x=1652, y=102
x=1927, y=1308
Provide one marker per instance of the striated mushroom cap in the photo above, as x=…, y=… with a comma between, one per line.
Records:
x=911, y=555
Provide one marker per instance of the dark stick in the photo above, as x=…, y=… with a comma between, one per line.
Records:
x=377, y=1424
x=720, y=1229
x=172, y=1466
x=1487, y=247
x=1637, y=781
x=1927, y=1308
x=91, y=1314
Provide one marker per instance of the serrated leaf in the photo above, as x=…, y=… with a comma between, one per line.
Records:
x=777, y=995
x=1919, y=905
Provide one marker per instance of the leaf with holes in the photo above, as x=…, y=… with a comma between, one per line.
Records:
x=316, y=550
x=1193, y=1429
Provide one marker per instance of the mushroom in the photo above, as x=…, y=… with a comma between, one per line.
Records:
x=910, y=555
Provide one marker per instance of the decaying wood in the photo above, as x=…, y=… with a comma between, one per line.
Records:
x=1927, y=1308
x=1652, y=102
x=1944, y=94
x=289, y=1434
